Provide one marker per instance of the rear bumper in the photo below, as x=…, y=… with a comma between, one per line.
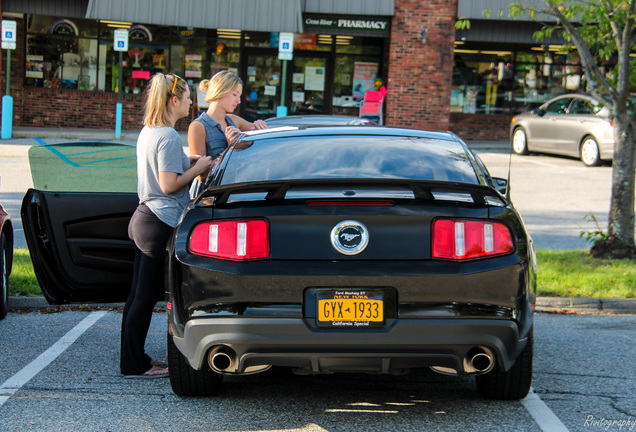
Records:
x=402, y=345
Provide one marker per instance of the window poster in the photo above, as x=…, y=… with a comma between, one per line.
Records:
x=315, y=78
x=470, y=100
x=35, y=66
x=193, y=65
x=363, y=77
x=298, y=78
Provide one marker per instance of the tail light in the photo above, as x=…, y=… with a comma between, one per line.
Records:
x=231, y=239
x=463, y=239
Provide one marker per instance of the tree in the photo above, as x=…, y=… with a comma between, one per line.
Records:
x=602, y=31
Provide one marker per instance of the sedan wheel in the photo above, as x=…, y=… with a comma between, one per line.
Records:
x=4, y=275
x=520, y=141
x=590, y=154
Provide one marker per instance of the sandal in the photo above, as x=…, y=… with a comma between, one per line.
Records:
x=153, y=372
x=159, y=363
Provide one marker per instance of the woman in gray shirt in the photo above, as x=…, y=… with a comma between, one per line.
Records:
x=164, y=173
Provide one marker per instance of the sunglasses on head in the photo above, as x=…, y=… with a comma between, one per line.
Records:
x=174, y=84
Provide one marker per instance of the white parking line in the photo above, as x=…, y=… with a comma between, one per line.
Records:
x=13, y=384
x=545, y=418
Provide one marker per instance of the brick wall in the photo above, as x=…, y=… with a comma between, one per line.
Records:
x=480, y=127
x=419, y=81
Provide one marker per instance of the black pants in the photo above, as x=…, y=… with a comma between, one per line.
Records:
x=150, y=236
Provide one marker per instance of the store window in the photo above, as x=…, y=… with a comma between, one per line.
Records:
x=61, y=53
x=511, y=79
x=148, y=53
x=358, y=63
x=78, y=54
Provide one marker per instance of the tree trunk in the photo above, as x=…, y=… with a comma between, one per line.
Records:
x=620, y=241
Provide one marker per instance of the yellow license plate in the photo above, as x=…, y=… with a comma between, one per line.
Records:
x=350, y=308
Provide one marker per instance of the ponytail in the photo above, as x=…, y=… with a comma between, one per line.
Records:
x=158, y=97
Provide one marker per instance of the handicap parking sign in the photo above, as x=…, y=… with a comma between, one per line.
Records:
x=121, y=40
x=286, y=46
x=9, y=34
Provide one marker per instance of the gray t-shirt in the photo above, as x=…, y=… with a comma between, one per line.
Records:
x=161, y=149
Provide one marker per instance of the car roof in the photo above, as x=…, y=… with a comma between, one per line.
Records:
x=299, y=131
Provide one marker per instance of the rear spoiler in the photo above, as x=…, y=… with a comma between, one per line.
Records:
x=422, y=189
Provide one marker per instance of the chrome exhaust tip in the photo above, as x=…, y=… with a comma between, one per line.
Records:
x=479, y=360
x=222, y=359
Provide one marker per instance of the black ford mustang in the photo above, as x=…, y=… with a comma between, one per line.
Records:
x=322, y=249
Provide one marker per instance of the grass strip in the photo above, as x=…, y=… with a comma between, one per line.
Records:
x=575, y=273
x=560, y=273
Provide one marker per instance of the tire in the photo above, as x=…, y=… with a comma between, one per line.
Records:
x=520, y=141
x=4, y=276
x=186, y=381
x=513, y=384
x=590, y=154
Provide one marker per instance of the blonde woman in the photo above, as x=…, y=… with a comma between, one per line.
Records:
x=214, y=130
x=164, y=174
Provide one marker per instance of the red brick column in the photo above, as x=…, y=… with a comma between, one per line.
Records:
x=420, y=73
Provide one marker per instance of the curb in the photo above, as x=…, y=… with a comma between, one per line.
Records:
x=544, y=304
x=585, y=305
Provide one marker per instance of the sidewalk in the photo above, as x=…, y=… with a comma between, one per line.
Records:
x=130, y=136
x=544, y=304
x=77, y=133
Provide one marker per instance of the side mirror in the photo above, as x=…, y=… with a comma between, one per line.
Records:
x=501, y=185
x=538, y=111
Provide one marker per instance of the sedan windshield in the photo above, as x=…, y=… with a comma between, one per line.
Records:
x=318, y=157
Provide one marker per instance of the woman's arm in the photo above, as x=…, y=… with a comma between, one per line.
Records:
x=196, y=142
x=196, y=138
x=244, y=125
x=172, y=181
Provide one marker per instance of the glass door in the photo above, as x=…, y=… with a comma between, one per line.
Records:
x=309, y=85
x=261, y=84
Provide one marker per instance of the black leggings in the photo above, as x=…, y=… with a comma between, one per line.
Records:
x=150, y=236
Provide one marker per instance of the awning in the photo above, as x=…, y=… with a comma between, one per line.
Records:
x=251, y=15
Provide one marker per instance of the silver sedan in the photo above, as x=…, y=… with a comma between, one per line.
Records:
x=571, y=125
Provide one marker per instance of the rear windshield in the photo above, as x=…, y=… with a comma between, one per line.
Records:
x=349, y=157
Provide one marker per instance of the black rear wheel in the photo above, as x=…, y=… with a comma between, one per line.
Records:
x=513, y=384
x=187, y=381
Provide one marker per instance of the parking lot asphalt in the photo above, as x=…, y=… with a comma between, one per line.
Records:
x=30, y=136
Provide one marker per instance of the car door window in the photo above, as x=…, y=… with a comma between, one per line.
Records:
x=558, y=107
x=84, y=167
x=582, y=106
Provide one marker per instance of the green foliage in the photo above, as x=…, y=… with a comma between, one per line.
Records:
x=462, y=23
x=596, y=234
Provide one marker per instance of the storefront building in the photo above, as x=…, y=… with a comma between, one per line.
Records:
x=65, y=72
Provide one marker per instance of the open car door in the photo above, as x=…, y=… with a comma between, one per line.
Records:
x=76, y=220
